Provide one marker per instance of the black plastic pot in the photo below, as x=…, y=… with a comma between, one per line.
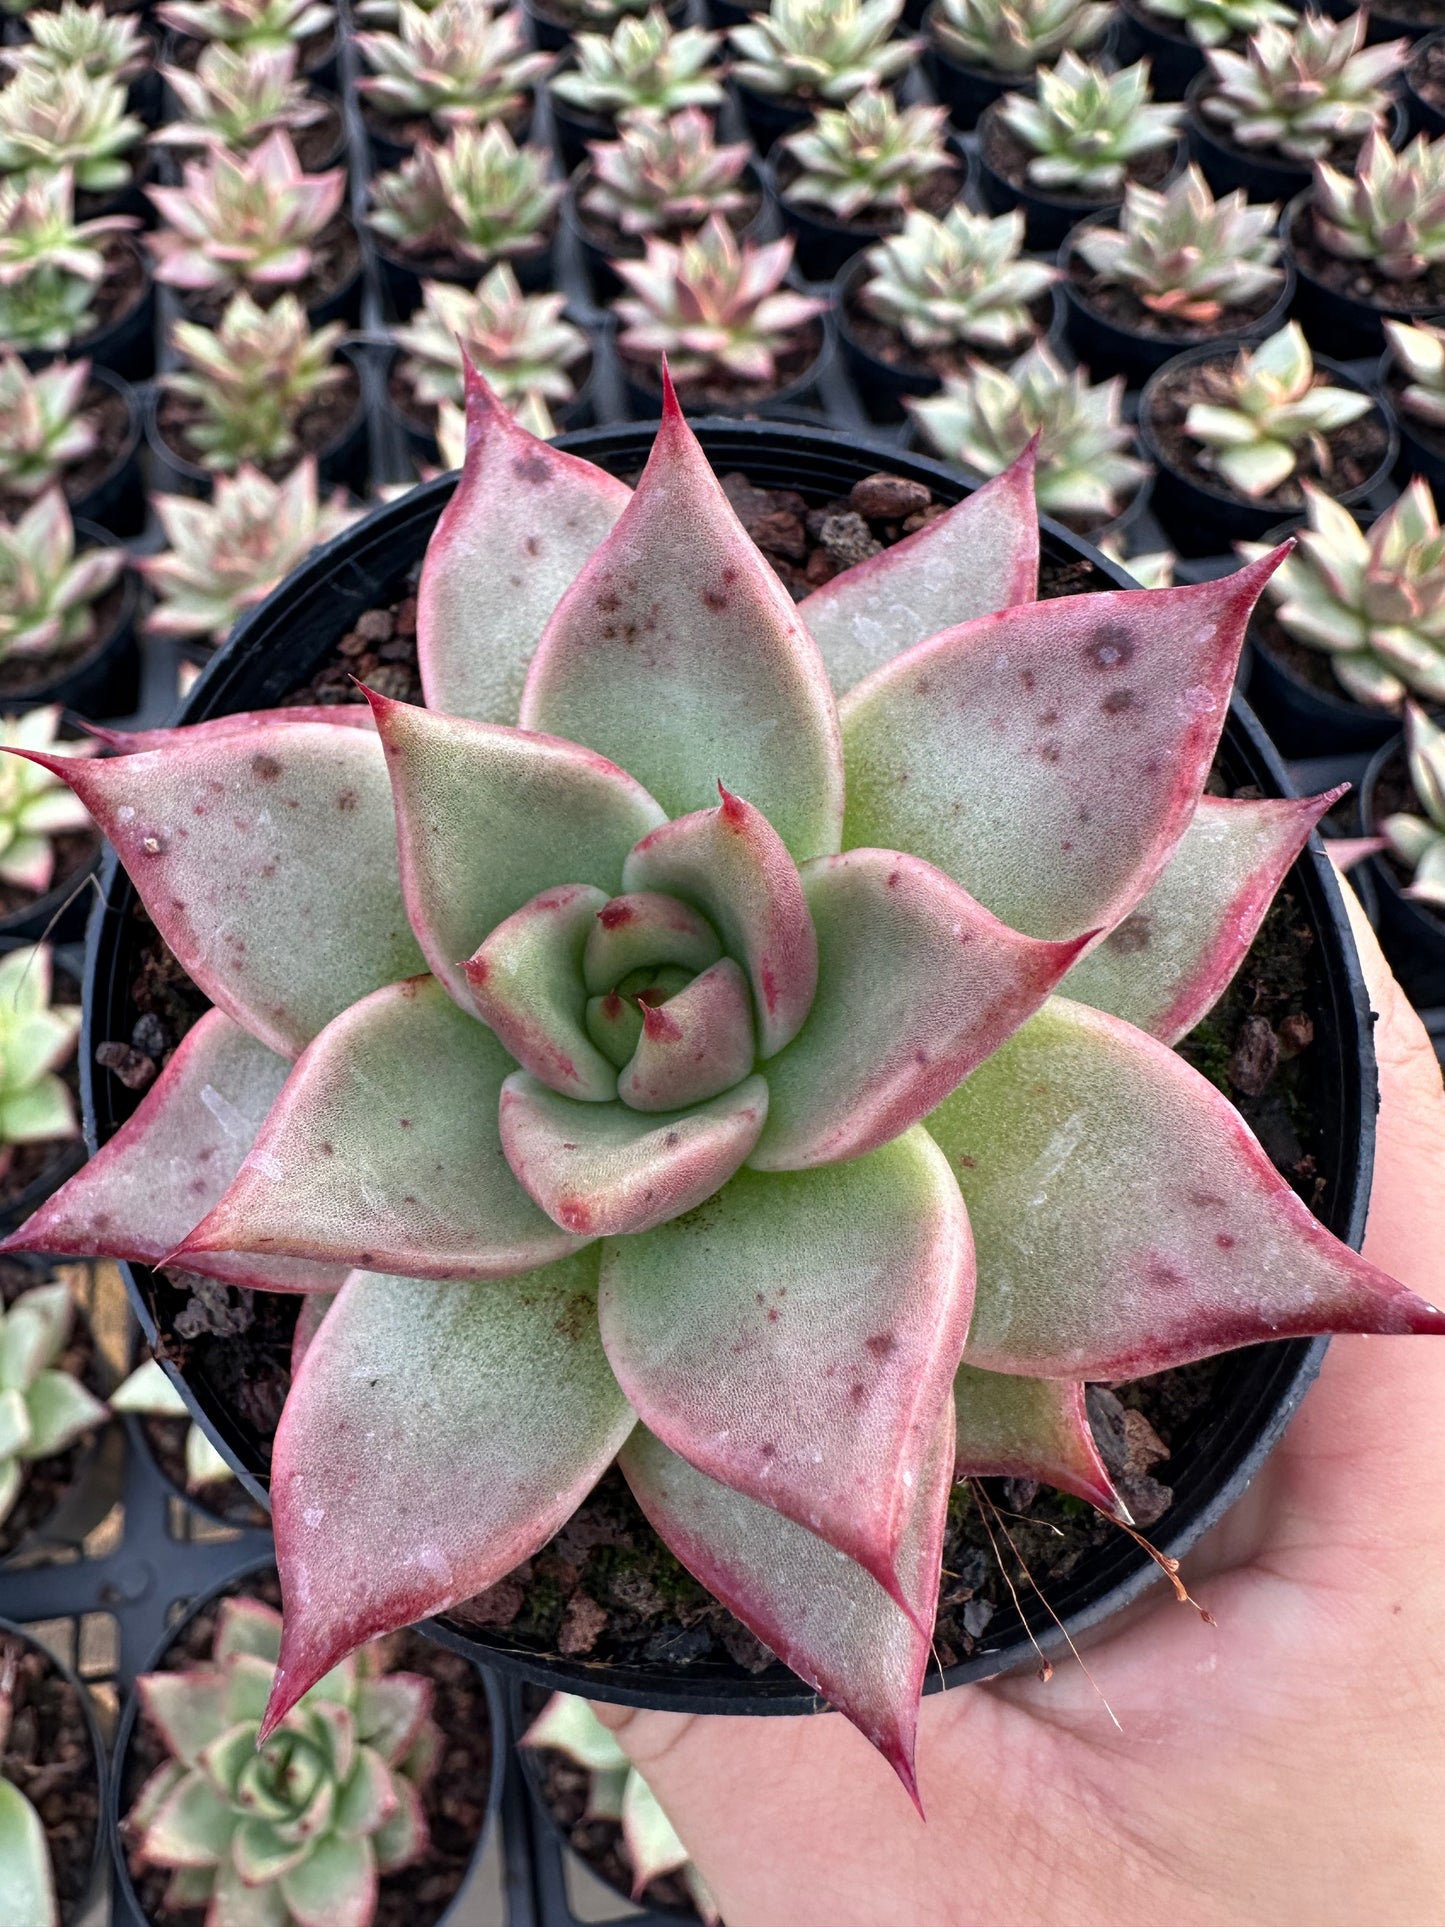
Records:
x=318, y=59
x=75, y=1907
x=1047, y=217
x=967, y=91
x=127, y=1906
x=605, y=281
x=1304, y=720
x=1174, y=59
x=402, y=275
x=1201, y=519
x=1386, y=25
x=1422, y=452
x=279, y=644
x=822, y=245
x=60, y=915
x=722, y=14
x=125, y=345
x=117, y=500
x=768, y=116
x=573, y=129
x=552, y=32
x=1425, y=116
x=105, y=683
x=1107, y=347
x=1412, y=933
x=1349, y=327
x=1263, y=174
x=644, y=401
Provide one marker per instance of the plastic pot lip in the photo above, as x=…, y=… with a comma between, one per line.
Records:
x=98, y=1759
x=112, y=1817
x=1298, y=205
x=1269, y=161
x=1287, y=1367
x=56, y=690
x=799, y=386
x=809, y=214
x=1385, y=879
x=118, y=385
x=1435, y=38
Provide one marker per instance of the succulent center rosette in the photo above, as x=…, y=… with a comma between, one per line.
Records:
x=653, y=1042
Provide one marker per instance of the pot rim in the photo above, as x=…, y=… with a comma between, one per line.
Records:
x=10, y=1630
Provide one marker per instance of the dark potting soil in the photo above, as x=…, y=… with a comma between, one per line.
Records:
x=1342, y=155
x=935, y=195
x=1355, y=451
x=1310, y=665
x=1395, y=792
x=883, y=341
x=1124, y=308
x=335, y=258
x=21, y=674
x=122, y=284
x=431, y=258
x=318, y=425
x=1008, y=156
x=802, y=348
x=48, y=1754
x=75, y=851
x=454, y=1798
x=406, y=131
x=110, y=416
x=226, y=1499
x=422, y=415
x=611, y=240
x=1364, y=280
x=316, y=50
x=48, y=1481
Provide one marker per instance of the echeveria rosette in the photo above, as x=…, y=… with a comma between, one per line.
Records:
x=718, y=1116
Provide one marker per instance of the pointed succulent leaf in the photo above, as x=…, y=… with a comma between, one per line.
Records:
x=652, y=1843
x=268, y=862
x=1028, y=1428
x=247, y=1626
x=1127, y=1220
x=403, y=1838
x=259, y=1853
x=982, y=556
x=646, y=928
x=604, y=1170
x=695, y=1046
x=148, y=1390
x=732, y=863
x=526, y=983
x=383, y=1150
x=512, y=539
x=797, y=1338
x=499, y=1411
x=335, y=1886
x=1171, y=958
x=390, y=1712
x=367, y=1800
x=34, y=1332
x=917, y=983
x=171, y=1162
x=27, y=1884
x=550, y=812
x=1049, y=758
x=679, y=654
x=61, y=1411
x=247, y=1680
x=188, y=1710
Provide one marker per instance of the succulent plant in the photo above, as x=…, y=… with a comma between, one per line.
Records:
x=479, y=195
x=464, y=62
x=715, y=306
x=46, y=590
x=821, y=49
x=1151, y=569
x=1389, y=210
x=252, y=376
x=529, y=412
x=34, y=805
x=871, y=154
x=959, y=281
x=600, y=13
x=1265, y=410
x=647, y=1095
x=229, y=553
x=109, y=46
x=1303, y=91
x=1184, y=255
x=521, y=342
x=642, y=64
x=148, y=1393
x=234, y=99
x=50, y=264
x=27, y=1879
x=291, y=1829
x=42, y=430
x=44, y=1409
x=250, y=24
x=1419, y=841
x=1016, y=36
x=1418, y=355
x=987, y=417
x=664, y=174
x=617, y=1791
x=1088, y=126
x=36, y=1037
x=68, y=120
x=1372, y=599
x=243, y=220
x=1210, y=23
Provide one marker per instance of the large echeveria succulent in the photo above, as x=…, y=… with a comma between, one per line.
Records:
x=654, y=1038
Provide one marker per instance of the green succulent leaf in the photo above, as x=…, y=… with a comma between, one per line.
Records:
x=1028, y=1428
x=27, y=1885
x=526, y=984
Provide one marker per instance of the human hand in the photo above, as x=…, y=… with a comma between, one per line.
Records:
x=1285, y=1764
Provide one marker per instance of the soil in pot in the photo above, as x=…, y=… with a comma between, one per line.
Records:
x=50, y=1756
x=1262, y=159
x=335, y=264
x=110, y=413
x=455, y=1798
x=609, y=240
x=24, y=675
x=885, y=343
x=1009, y=157
x=49, y=1481
x=1122, y=308
x=1425, y=84
x=121, y=289
x=1363, y=280
x=321, y=423
x=316, y=51
x=225, y=1499
x=731, y=392
x=935, y=195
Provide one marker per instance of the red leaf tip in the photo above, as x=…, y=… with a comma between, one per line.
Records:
x=671, y=406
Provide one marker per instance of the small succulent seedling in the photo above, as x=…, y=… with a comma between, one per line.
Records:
x=42, y=429
x=681, y=1200
x=870, y=157
x=225, y=555
x=291, y=1829
x=107, y=46
x=67, y=120
x=1016, y=36
x=1372, y=599
x=1186, y=256
x=1388, y=211
x=462, y=62
x=47, y=592
x=1303, y=91
x=243, y=221
x=821, y=49
x=642, y=64
x=713, y=305
x=987, y=417
x=235, y=98
x=148, y=1393
x=479, y=196
x=50, y=264
x=1419, y=841
x=1151, y=568
x=1266, y=410
x=617, y=1791
x=1088, y=126
x=664, y=174
x=35, y=1107
x=251, y=378
x=249, y=24
x=44, y=1409
x=35, y=805
x=1214, y=23
x=27, y=1879
x=521, y=341
x=1418, y=356
x=959, y=281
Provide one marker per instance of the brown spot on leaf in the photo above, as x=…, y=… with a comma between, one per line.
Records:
x=265, y=768
x=1117, y=701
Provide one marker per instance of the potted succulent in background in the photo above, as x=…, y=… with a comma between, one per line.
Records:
x=460, y=64
x=49, y=1380
x=555, y=22
x=1233, y=436
x=52, y=1787
x=921, y=303
x=48, y=843
x=980, y=49
x=1173, y=34
x=104, y=45
x=1086, y=475
x=181, y=1449
x=72, y=120
x=76, y=425
x=1412, y=380
x=643, y=66
x=66, y=631
x=850, y=176
x=1425, y=83
x=1403, y=799
x=1074, y=146
x=798, y=55
x=253, y=26
x=69, y=286
x=235, y=99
